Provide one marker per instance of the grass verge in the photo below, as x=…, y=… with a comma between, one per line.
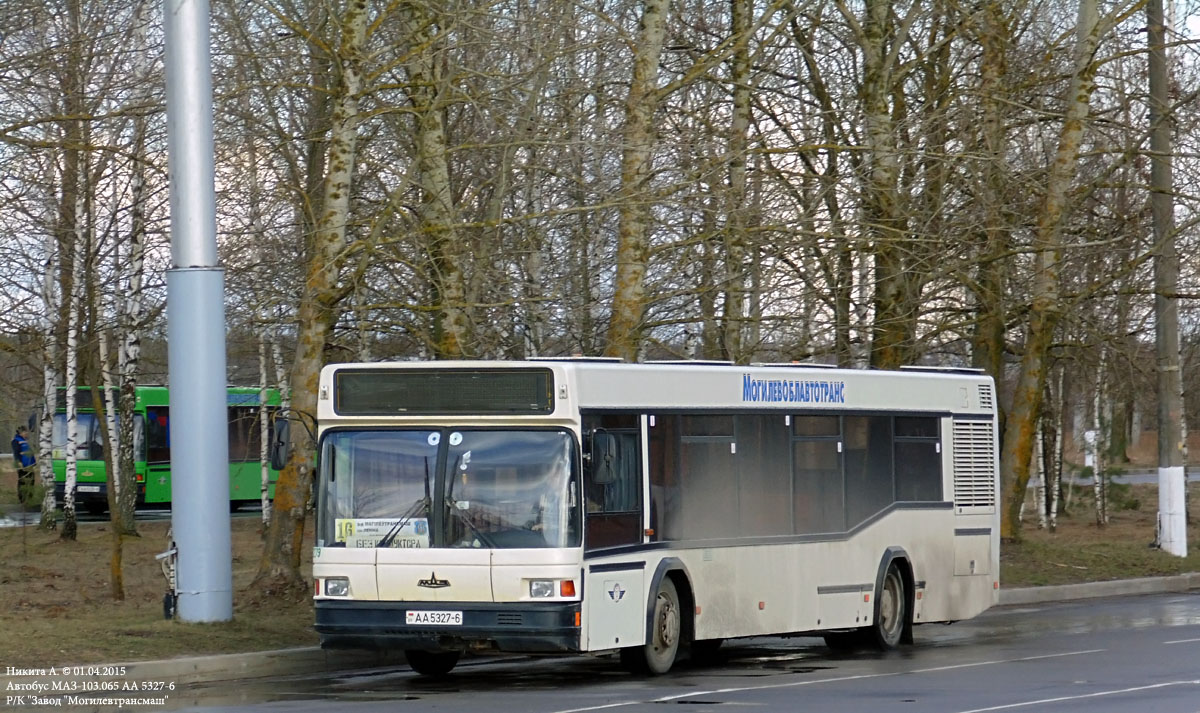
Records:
x=60, y=610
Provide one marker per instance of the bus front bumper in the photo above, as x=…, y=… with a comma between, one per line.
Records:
x=518, y=626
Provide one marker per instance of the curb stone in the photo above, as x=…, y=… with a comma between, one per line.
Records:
x=1091, y=590
x=235, y=667
x=258, y=664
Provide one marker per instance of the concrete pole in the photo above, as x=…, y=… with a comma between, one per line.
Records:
x=1172, y=502
x=196, y=327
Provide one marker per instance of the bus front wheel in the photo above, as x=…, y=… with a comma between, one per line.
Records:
x=662, y=641
x=432, y=663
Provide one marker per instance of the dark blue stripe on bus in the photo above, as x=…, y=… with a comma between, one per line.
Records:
x=617, y=567
x=968, y=531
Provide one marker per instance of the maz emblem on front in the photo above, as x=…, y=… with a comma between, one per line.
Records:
x=433, y=582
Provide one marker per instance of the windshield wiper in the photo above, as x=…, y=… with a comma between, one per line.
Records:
x=416, y=507
x=386, y=540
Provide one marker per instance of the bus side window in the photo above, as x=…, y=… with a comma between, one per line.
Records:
x=613, y=491
x=666, y=517
x=158, y=435
x=622, y=493
x=245, y=439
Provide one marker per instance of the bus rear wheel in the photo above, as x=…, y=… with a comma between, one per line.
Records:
x=662, y=641
x=891, y=611
x=432, y=663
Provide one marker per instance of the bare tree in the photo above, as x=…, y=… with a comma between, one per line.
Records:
x=280, y=563
x=1045, y=308
x=629, y=298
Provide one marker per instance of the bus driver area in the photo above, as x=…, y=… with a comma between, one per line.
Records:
x=586, y=506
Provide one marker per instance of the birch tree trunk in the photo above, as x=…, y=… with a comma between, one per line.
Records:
x=109, y=396
x=50, y=310
x=132, y=314
x=74, y=298
x=1054, y=458
x=264, y=432
x=633, y=242
x=1039, y=454
x=1047, y=243
x=1100, y=425
x=258, y=230
x=279, y=568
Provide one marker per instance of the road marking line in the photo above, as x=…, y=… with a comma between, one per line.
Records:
x=739, y=689
x=1083, y=696
x=1023, y=658
x=840, y=679
x=1182, y=641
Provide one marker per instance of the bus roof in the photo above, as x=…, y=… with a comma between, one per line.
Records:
x=595, y=385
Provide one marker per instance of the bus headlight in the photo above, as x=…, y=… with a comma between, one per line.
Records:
x=337, y=587
x=539, y=588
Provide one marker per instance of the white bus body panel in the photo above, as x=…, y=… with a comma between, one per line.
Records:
x=468, y=572
x=615, y=609
x=797, y=587
x=357, y=565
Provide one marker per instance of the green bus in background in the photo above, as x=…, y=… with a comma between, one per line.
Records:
x=152, y=448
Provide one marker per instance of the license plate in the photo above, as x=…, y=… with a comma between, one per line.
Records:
x=434, y=618
x=89, y=488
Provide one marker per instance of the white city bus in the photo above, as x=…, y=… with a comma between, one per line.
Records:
x=578, y=505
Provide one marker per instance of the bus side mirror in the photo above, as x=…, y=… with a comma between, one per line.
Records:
x=604, y=458
x=280, y=443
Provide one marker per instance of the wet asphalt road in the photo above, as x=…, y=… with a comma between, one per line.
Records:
x=1102, y=656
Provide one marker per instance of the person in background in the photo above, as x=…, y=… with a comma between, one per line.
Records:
x=24, y=461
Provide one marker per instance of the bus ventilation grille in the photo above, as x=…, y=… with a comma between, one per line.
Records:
x=986, y=399
x=509, y=619
x=974, y=465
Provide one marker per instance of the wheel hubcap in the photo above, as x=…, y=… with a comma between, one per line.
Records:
x=889, y=605
x=668, y=622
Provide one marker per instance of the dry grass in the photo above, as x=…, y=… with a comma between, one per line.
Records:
x=59, y=610
x=1082, y=551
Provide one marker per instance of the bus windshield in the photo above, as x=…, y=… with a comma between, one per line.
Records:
x=449, y=488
